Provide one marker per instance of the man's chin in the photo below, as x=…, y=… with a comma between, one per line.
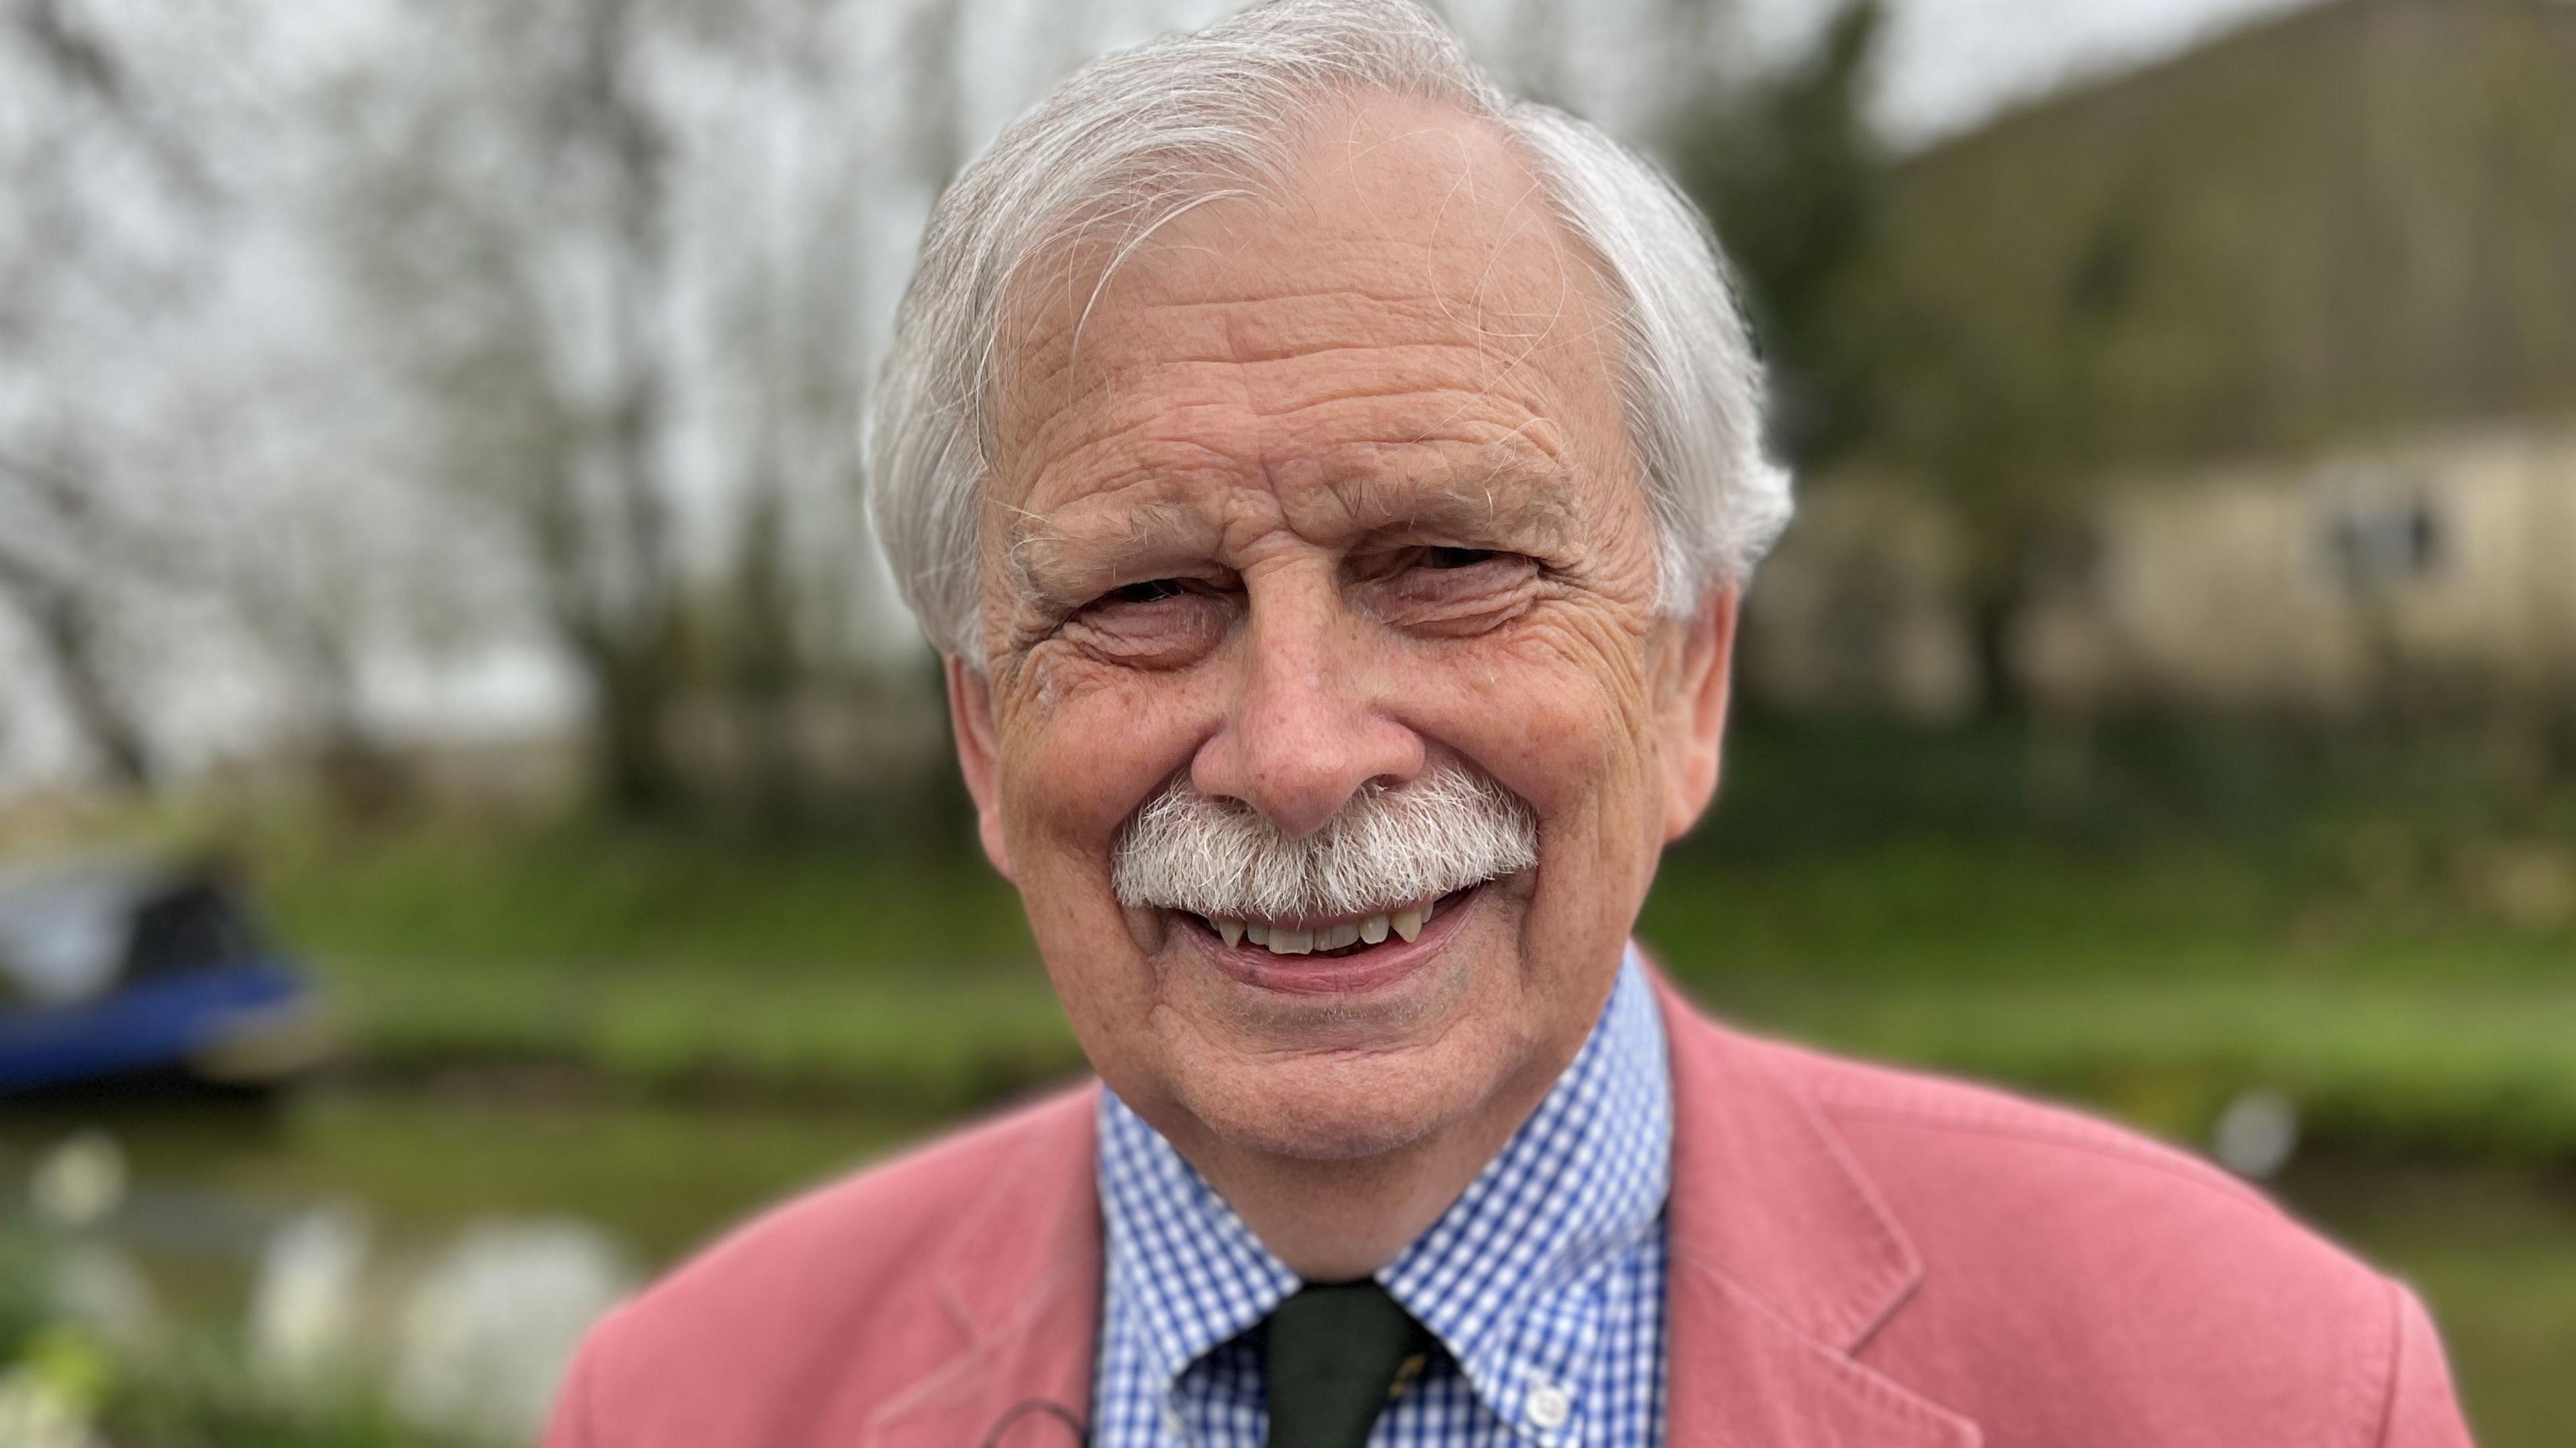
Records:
x=1384, y=1083
x=1334, y=1106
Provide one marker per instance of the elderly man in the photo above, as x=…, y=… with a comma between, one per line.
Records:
x=1331, y=484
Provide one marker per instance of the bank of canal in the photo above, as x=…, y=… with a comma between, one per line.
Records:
x=208, y=1184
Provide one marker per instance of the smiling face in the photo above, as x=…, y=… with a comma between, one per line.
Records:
x=1321, y=507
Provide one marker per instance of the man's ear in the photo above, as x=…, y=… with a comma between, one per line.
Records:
x=1695, y=709
x=970, y=712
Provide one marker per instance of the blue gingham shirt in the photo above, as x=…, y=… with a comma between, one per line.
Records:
x=1543, y=1284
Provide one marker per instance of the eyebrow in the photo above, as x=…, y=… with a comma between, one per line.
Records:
x=1050, y=562
x=1518, y=499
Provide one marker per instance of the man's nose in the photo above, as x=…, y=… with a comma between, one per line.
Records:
x=1304, y=725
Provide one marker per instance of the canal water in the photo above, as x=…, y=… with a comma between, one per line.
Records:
x=394, y=1180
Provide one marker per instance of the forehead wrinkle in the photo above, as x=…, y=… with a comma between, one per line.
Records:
x=1474, y=322
x=1199, y=413
x=1253, y=351
x=1533, y=340
x=1127, y=248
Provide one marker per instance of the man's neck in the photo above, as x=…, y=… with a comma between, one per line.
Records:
x=1339, y=1221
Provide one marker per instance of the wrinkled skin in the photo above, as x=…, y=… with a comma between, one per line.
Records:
x=1334, y=486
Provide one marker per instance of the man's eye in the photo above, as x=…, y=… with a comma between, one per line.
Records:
x=1455, y=557
x=1150, y=591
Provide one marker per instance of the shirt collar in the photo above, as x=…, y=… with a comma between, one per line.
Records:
x=1510, y=1278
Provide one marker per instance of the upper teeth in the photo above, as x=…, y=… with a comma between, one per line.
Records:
x=1282, y=940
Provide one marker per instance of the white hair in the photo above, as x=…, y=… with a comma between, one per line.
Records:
x=1384, y=849
x=1134, y=139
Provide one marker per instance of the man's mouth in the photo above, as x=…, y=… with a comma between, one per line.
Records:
x=1332, y=936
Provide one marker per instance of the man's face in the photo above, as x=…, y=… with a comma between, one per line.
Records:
x=1322, y=494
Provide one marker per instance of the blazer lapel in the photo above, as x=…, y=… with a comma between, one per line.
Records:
x=1742, y=1377
x=1783, y=1261
x=1022, y=1280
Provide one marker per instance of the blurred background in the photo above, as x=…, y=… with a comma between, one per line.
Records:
x=473, y=821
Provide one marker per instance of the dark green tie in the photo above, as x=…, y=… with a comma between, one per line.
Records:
x=1332, y=1358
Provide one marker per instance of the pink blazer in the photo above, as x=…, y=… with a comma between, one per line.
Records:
x=1860, y=1257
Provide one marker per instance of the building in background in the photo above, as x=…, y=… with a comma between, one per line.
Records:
x=2439, y=572
x=2243, y=381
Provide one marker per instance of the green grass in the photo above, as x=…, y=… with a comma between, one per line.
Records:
x=658, y=1029
x=2479, y=1071
x=2153, y=955
x=575, y=898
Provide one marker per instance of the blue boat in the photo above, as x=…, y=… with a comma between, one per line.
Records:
x=118, y=969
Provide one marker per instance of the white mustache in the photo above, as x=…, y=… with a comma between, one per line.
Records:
x=1384, y=849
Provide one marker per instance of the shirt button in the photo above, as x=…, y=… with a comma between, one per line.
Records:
x=1550, y=1404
